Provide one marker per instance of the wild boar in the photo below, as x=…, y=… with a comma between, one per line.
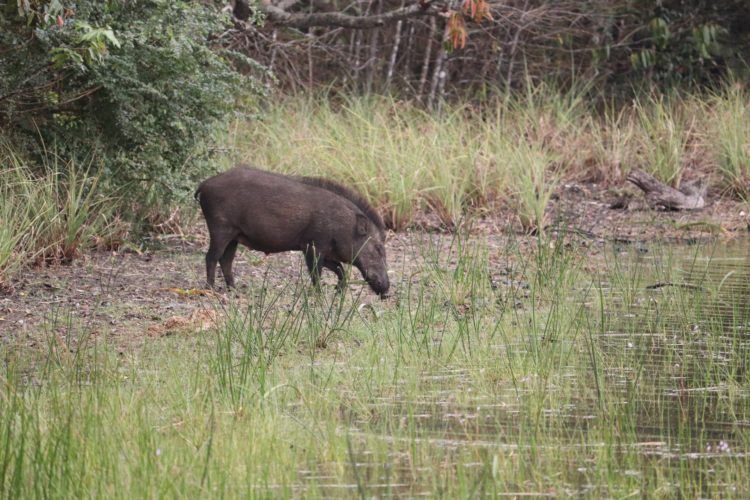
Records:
x=329, y=223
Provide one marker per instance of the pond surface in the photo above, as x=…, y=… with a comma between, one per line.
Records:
x=689, y=330
x=668, y=383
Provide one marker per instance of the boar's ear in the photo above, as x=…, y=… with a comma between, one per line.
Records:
x=363, y=224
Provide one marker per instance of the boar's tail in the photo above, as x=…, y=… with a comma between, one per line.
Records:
x=197, y=194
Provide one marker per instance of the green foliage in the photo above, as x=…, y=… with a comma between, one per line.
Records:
x=683, y=42
x=144, y=85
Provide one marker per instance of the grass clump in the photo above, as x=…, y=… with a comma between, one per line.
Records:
x=535, y=182
x=662, y=138
x=730, y=114
x=401, y=157
x=407, y=160
x=16, y=219
x=50, y=216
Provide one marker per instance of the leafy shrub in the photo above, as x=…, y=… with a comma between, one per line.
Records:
x=143, y=85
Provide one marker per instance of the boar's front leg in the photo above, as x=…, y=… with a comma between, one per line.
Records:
x=314, y=262
x=338, y=269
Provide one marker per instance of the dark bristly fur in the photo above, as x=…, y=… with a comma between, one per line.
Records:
x=269, y=212
x=350, y=195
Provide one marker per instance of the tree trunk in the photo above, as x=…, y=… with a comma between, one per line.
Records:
x=394, y=54
x=438, y=74
x=409, y=53
x=426, y=63
x=274, y=50
x=372, y=63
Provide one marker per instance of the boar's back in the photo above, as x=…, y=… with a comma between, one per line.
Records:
x=356, y=198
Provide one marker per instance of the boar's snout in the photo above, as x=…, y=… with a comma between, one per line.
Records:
x=375, y=272
x=379, y=285
x=370, y=257
x=375, y=276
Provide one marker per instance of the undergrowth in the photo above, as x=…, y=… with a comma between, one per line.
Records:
x=51, y=214
x=511, y=152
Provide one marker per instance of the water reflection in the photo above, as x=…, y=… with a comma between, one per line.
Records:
x=673, y=360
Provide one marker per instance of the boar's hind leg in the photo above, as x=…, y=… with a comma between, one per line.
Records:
x=216, y=248
x=338, y=269
x=226, y=263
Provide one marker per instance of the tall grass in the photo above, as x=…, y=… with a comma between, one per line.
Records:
x=662, y=138
x=509, y=153
x=48, y=215
x=16, y=220
x=730, y=115
x=406, y=159
x=535, y=182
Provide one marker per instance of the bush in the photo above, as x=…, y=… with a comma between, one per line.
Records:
x=142, y=85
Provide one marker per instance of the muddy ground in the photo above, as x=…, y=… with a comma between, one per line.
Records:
x=129, y=296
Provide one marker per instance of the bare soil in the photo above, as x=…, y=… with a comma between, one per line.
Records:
x=129, y=296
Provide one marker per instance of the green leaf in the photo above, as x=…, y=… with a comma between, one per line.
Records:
x=110, y=36
x=63, y=56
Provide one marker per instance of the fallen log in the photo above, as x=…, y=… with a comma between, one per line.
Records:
x=688, y=197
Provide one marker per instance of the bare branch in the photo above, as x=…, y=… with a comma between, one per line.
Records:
x=301, y=21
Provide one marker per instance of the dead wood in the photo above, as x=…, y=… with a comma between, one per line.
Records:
x=279, y=17
x=664, y=284
x=688, y=197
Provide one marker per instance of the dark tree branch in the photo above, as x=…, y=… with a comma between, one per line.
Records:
x=279, y=17
x=689, y=197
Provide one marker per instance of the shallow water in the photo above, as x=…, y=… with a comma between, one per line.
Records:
x=673, y=343
x=687, y=325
